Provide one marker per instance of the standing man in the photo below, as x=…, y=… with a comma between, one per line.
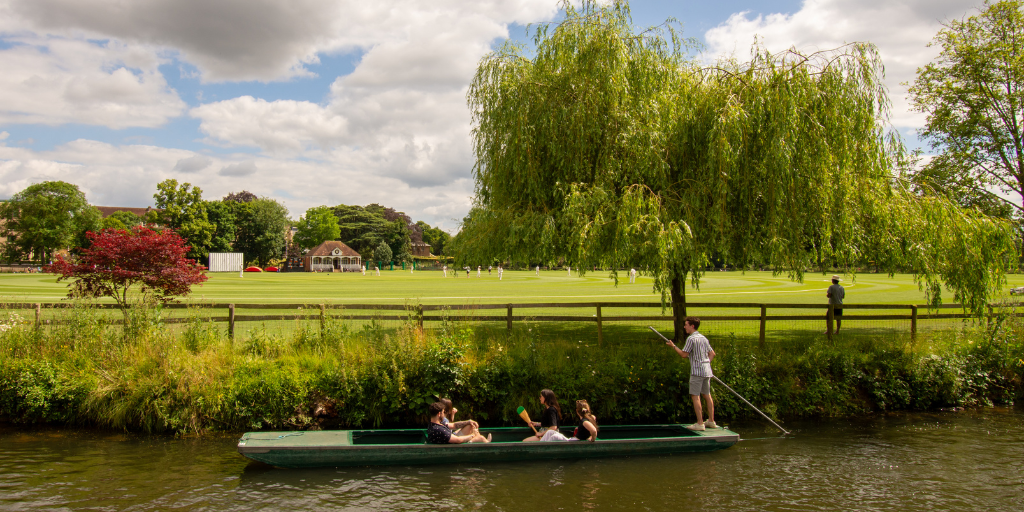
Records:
x=698, y=351
x=489, y=267
x=500, y=270
x=632, y=275
x=445, y=270
x=538, y=270
x=478, y=271
x=836, y=293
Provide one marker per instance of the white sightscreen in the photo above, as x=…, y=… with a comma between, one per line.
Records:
x=225, y=261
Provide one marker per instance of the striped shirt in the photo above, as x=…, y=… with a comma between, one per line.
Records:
x=698, y=347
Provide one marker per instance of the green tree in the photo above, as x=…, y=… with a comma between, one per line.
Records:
x=974, y=98
x=317, y=226
x=360, y=229
x=183, y=210
x=383, y=253
x=609, y=147
x=128, y=219
x=261, y=230
x=45, y=218
x=112, y=223
x=436, y=237
x=222, y=215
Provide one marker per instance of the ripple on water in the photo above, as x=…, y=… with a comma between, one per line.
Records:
x=908, y=462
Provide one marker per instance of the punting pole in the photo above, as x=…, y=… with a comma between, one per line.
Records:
x=731, y=390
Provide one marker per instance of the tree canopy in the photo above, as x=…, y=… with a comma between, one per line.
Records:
x=120, y=262
x=222, y=215
x=610, y=147
x=261, y=230
x=45, y=218
x=974, y=98
x=183, y=210
x=383, y=253
x=363, y=228
x=436, y=237
x=317, y=226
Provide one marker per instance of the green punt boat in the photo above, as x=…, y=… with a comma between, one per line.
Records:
x=333, y=448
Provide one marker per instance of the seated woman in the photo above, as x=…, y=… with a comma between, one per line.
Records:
x=587, y=429
x=550, y=419
x=437, y=433
x=457, y=427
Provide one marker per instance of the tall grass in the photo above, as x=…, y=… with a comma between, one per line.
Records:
x=190, y=378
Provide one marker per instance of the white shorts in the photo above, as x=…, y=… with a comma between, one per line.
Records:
x=553, y=435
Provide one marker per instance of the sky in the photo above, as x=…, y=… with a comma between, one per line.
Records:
x=325, y=102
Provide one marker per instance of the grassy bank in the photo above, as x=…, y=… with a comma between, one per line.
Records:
x=146, y=376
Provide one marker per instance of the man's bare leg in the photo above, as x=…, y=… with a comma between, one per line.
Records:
x=711, y=407
x=696, y=408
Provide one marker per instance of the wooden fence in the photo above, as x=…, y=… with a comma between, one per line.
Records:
x=424, y=313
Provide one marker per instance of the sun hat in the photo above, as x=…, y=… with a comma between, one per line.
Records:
x=836, y=277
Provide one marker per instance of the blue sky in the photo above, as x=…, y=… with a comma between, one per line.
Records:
x=327, y=101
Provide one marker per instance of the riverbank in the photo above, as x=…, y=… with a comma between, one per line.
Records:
x=193, y=379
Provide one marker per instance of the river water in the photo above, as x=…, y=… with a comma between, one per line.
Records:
x=972, y=461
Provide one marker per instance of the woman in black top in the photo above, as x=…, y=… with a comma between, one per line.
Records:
x=587, y=429
x=550, y=419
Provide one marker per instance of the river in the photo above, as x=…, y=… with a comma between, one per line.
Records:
x=971, y=461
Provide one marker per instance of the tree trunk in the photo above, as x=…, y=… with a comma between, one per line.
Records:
x=678, y=293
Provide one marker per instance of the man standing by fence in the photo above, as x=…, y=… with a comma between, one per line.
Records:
x=698, y=351
x=836, y=293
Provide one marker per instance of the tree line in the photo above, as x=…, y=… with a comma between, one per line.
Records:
x=54, y=215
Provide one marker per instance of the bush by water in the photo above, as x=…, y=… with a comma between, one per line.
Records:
x=192, y=378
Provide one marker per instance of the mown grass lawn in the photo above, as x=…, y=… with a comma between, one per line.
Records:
x=429, y=287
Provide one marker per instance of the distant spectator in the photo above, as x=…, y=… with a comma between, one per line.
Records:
x=836, y=293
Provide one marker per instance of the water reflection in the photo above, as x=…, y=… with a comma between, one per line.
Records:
x=949, y=461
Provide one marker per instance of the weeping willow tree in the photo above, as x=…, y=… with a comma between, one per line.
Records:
x=610, y=147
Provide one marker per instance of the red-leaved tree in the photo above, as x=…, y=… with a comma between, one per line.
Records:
x=153, y=262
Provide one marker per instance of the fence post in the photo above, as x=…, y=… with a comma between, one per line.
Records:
x=508, y=319
x=39, y=314
x=831, y=313
x=913, y=322
x=323, y=320
x=764, y=322
x=231, y=321
x=600, y=335
x=419, y=316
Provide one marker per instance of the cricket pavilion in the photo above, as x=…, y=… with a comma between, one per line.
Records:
x=332, y=256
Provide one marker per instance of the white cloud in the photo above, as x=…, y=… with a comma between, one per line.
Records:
x=402, y=112
x=51, y=80
x=263, y=39
x=900, y=29
x=127, y=175
x=226, y=39
x=239, y=170
x=394, y=131
x=282, y=125
x=192, y=164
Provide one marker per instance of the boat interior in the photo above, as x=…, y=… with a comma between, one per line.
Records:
x=517, y=434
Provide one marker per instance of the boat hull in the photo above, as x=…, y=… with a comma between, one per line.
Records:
x=407, y=447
